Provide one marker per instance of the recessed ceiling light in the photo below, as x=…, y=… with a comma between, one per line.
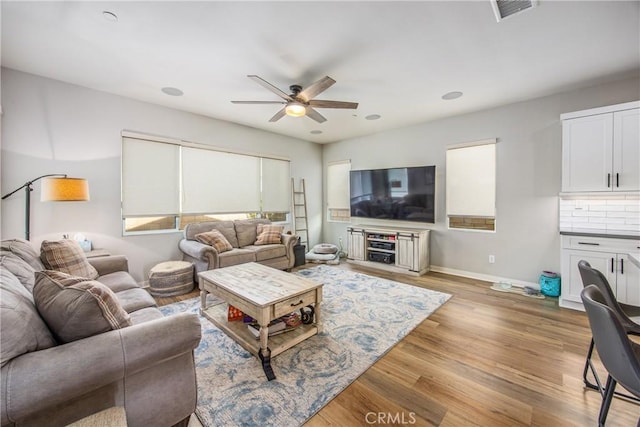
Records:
x=452, y=95
x=372, y=117
x=316, y=132
x=172, y=91
x=110, y=16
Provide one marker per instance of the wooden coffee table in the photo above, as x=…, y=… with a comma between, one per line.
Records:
x=265, y=294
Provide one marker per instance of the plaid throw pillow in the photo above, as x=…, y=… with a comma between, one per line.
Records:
x=269, y=234
x=216, y=239
x=67, y=256
x=76, y=308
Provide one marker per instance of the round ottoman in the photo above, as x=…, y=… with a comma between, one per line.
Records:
x=171, y=278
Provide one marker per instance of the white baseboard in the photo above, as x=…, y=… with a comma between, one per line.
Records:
x=485, y=277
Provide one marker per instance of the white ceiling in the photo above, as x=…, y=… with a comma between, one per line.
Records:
x=396, y=59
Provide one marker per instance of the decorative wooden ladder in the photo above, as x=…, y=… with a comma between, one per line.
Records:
x=299, y=203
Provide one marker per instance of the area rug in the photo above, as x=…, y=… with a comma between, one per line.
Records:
x=363, y=317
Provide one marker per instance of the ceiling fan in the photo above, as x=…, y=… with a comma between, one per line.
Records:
x=300, y=102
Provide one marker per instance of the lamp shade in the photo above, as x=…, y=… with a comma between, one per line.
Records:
x=64, y=190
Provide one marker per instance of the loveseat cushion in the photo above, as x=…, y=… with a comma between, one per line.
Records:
x=237, y=256
x=268, y=234
x=227, y=229
x=19, y=268
x=66, y=256
x=75, y=308
x=24, y=250
x=23, y=330
x=246, y=230
x=215, y=239
x=265, y=252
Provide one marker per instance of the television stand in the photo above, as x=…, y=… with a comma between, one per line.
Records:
x=397, y=249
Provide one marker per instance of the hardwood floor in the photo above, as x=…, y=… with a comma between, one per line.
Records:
x=485, y=358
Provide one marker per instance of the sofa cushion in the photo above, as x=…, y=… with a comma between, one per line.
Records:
x=268, y=234
x=24, y=250
x=264, y=252
x=66, y=256
x=135, y=299
x=215, y=239
x=75, y=308
x=19, y=268
x=227, y=229
x=118, y=281
x=246, y=230
x=22, y=328
x=236, y=256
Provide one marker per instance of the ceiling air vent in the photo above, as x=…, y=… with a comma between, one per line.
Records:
x=505, y=8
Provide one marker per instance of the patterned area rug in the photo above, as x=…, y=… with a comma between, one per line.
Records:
x=363, y=317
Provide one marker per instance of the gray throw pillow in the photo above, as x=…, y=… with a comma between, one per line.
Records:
x=66, y=255
x=76, y=308
x=23, y=249
x=19, y=267
x=22, y=330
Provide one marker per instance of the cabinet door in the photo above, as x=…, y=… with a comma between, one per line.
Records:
x=587, y=153
x=356, y=245
x=628, y=283
x=626, y=150
x=572, y=285
x=404, y=251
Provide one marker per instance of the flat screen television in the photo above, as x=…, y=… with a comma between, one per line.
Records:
x=405, y=194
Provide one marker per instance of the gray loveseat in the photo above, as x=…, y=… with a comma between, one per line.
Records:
x=242, y=235
x=147, y=368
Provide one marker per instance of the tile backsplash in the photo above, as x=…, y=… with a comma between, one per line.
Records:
x=609, y=214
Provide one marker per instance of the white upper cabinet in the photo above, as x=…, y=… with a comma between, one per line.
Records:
x=601, y=149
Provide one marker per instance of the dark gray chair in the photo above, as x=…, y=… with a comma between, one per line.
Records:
x=591, y=276
x=619, y=355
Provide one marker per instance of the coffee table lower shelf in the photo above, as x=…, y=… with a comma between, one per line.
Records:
x=237, y=330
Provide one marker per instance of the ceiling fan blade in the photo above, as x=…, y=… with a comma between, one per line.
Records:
x=280, y=114
x=318, y=103
x=313, y=114
x=269, y=86
x=316, y=88
x=258, y=102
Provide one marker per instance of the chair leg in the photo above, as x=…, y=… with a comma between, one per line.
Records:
x=589, y=366
x=606, y=400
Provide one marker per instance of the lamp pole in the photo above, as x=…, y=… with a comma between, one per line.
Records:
x=27, y=199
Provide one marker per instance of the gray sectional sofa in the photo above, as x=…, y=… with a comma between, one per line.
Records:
x=242, y=236
x=147, y=367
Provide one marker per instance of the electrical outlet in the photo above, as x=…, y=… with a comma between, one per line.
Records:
x=492, y=259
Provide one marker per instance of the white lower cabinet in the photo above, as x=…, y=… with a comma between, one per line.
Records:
x=608, y=255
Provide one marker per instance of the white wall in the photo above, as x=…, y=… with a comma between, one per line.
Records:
x=53, y=127
x=526, y=240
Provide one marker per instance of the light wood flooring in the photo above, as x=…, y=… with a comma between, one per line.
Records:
x=485, y=358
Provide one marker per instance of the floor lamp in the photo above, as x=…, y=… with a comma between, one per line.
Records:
x=55, y=188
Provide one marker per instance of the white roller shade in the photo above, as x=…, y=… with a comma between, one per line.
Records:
x=471, y=180
x=338, y=185
x=276, y=185
x=218, y=182
x=150, y=178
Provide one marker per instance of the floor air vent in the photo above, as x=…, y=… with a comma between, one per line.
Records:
x=505, y=8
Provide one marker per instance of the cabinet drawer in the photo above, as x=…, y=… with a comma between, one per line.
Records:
x=600, y=244
x=294, y=303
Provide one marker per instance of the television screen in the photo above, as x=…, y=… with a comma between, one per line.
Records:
x=406, y=194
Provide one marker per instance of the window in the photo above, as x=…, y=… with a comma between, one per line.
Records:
x=167, y=184
x=338, y=191
x=471, y=185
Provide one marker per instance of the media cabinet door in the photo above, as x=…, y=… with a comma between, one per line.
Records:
x=356, y=244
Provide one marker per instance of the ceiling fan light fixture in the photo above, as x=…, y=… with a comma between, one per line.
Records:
x=295, y=109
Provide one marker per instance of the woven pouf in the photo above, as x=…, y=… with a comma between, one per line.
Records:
x=171, y=278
